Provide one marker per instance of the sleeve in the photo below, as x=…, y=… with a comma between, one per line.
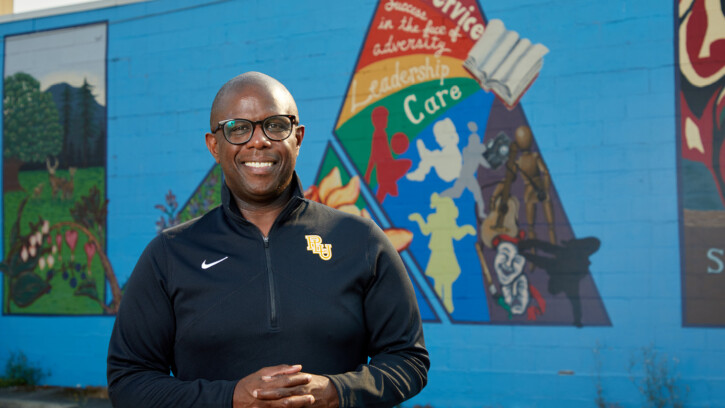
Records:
x=399, y=363
x=141, y=349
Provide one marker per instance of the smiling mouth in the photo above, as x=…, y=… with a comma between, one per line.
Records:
x=506, y=269
x=258, y=164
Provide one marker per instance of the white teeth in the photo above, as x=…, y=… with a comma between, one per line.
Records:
x=258, y=164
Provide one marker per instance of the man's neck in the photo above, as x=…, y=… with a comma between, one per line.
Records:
x=263, y=215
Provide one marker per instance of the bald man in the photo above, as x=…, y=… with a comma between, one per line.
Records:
x=269, y=300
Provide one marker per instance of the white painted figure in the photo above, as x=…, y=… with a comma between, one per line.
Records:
x=447, y=161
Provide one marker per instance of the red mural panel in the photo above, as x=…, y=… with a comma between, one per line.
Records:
x=701, y=100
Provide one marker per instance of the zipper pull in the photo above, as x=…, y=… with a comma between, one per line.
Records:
x=266, y=242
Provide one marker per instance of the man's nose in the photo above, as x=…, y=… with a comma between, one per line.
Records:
x=258, y=140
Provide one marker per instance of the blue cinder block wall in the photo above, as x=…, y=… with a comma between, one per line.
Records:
x=604, y=113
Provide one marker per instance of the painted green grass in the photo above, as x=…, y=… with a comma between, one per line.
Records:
x=62, y=299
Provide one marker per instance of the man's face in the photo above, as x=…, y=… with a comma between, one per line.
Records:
x=508, y=263
x=259, y=171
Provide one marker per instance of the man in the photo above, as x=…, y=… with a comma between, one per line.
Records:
x=269, y=300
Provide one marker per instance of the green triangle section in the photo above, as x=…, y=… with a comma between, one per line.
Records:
x=206, y=196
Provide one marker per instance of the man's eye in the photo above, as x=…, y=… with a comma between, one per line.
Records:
x=240, y=128
x=277, y=127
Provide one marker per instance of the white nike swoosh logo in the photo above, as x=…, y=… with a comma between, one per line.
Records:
x=205, y=265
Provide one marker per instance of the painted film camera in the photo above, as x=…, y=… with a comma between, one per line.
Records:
x=497, y=150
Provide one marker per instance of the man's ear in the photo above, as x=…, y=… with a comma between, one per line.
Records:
x=213, y=145
x=299, y=134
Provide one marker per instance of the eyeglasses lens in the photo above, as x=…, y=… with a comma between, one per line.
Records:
x=275, y=127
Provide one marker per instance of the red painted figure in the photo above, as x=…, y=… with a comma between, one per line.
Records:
x=388, y=169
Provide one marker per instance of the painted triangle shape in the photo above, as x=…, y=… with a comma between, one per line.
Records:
x=432, y=127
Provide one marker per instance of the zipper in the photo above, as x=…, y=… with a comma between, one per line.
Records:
x=273, y=319
x=270, y=278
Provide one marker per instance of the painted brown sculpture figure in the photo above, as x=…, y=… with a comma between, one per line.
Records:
x=537, y=181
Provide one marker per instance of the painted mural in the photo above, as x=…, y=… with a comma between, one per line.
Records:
x=432, y=144
x=438, y=151
x=54, y=158
x=701, y=102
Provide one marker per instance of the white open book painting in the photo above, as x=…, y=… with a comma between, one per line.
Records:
x=504, y=63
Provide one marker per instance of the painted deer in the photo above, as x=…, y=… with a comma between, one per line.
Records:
x=59, y=184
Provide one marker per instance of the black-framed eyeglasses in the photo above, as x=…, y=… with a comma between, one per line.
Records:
x=240, y=131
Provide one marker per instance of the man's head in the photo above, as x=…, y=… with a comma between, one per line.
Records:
x=258, y=171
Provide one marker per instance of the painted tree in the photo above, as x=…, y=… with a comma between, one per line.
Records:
x=65, y=120
x=88, y=127
x=31, y=129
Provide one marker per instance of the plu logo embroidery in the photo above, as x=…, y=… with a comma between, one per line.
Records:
x=314, y=244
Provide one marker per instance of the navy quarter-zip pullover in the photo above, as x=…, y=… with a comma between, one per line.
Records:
x=213, y=300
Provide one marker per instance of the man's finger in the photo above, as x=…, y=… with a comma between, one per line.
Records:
x=283, y=381
x=284, y=386
x=280, y=394
x=282, y=369
x=299, y=401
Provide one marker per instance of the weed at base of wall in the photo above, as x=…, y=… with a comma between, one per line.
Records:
x=20, y=371
x=659, y=381
x=653, y=373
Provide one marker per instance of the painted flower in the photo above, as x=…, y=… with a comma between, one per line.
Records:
x=332, y=193
x=90, y=249
x=171, y=201
x=71, y=238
